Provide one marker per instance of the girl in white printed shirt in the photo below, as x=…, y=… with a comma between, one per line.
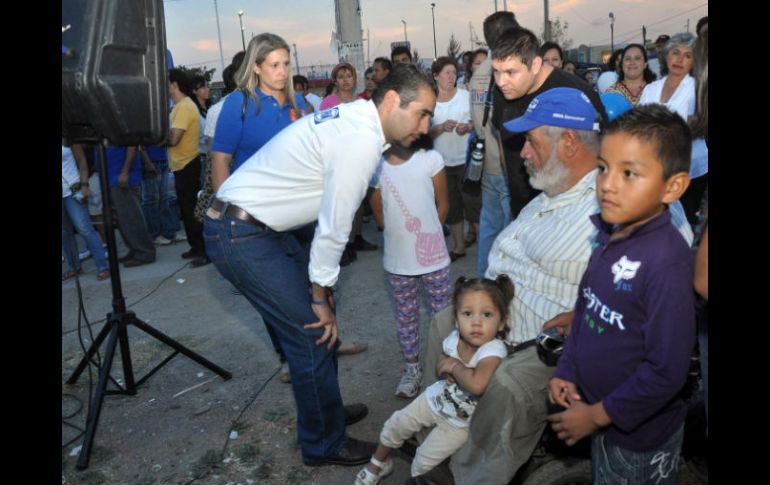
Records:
x=473, y=352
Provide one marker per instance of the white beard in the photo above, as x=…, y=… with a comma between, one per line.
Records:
x=551, y=177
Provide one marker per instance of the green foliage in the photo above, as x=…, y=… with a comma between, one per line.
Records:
x=558, y=34
x=454, y=47
x=415, y=56
x=199, y=71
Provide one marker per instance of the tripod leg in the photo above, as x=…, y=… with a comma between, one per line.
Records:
x=91, y=350
x=182, y=349
x=125, y=354
x=96, y=404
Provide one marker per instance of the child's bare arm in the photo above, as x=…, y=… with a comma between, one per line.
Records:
x=475, y=380
x=442, y=195
x=376, y=202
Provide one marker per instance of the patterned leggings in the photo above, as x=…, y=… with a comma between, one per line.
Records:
x=404, y=293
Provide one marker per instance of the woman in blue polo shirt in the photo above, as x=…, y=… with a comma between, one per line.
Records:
x=263, y=105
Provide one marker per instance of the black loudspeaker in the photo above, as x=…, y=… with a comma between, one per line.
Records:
x=114, y=77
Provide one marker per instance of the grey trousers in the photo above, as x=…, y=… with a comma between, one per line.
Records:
x=133, y=229
x=509, y=418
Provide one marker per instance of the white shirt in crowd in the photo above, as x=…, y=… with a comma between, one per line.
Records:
x=452, y=146
x=69, y=171
x=317, y=168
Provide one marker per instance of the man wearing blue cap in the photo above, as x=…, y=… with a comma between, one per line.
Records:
x=544, y=251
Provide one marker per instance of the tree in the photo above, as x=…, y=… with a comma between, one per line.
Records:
x=198, y=71
x=558, y=34
x=453, y=50
x=415, y=56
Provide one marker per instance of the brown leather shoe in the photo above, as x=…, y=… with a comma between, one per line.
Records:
x=355, y=452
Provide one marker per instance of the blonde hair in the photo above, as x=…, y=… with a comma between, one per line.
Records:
x=257, y=51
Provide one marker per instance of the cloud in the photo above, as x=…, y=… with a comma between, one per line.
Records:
x=206, y=45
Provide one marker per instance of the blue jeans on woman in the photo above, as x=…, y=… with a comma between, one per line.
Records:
x=271, y=270
x=159, y=202
x=74, y=213
x=612, y=465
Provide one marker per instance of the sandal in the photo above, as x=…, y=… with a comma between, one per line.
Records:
x=368, y=477
x=470, y=240
x=103, y=275
x=350, y=349
x=69, y=274
x=455, y=256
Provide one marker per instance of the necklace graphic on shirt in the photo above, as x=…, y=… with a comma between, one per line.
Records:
x=430, y=247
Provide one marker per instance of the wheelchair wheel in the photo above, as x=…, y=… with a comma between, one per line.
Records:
x=562, y=471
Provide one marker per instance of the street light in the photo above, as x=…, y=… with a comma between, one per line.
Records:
x=219, y=36
x=404, y=22
x=435, y=52
x=612, y=32
x=240, y=20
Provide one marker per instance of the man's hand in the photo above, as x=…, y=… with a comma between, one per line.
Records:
x=562, y=322
x=85, y=190
x=562, y=392
x=326, y=319
x=579, y=421
x=463, y=128
x=449, y=125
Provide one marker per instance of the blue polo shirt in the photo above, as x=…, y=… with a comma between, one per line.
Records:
x=157, y=153
x=115, y=158
x=633, y=332
x=243, y=137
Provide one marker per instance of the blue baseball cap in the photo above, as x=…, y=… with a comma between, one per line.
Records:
x=562, y=107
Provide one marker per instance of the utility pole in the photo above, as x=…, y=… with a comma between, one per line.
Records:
x=296, y=59
x=547, y=26
x=433, y=16
x=644, y=36
x=219, y=34
x=688, y=25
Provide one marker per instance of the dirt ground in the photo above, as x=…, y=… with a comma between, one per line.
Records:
x=187, y=425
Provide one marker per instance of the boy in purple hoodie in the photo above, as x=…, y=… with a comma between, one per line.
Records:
x=627, y=356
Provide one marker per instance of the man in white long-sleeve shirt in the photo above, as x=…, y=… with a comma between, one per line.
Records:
x=261, y=234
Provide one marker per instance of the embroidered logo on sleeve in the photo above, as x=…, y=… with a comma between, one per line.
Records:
x=326, y=115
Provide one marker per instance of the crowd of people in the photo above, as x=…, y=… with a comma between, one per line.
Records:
x=587, y=220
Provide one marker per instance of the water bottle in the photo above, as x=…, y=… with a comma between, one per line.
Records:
x=477, y=162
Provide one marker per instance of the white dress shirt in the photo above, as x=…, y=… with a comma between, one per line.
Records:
x=317, y=168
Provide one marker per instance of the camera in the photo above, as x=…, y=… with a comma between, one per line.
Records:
x=550, y=346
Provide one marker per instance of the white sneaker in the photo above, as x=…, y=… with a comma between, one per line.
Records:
x=366, y=477
x=84, y=254
x=180, y=236
x=162, y=241
x=410, y=381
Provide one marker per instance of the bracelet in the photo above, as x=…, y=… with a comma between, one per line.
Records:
x=318, y=302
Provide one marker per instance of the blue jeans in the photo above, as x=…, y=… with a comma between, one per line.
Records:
x=271, y=270
x=159, y=202
x=495, y=216
x=74, y=213
x=612, y=465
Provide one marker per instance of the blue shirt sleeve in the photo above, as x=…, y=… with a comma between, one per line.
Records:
x=229, y=130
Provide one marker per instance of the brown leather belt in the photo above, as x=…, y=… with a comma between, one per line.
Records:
x=233, y=210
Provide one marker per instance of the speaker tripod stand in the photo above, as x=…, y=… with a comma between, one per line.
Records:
x=115, y=332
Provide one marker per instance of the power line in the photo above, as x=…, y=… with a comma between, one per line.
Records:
x=635, y=32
